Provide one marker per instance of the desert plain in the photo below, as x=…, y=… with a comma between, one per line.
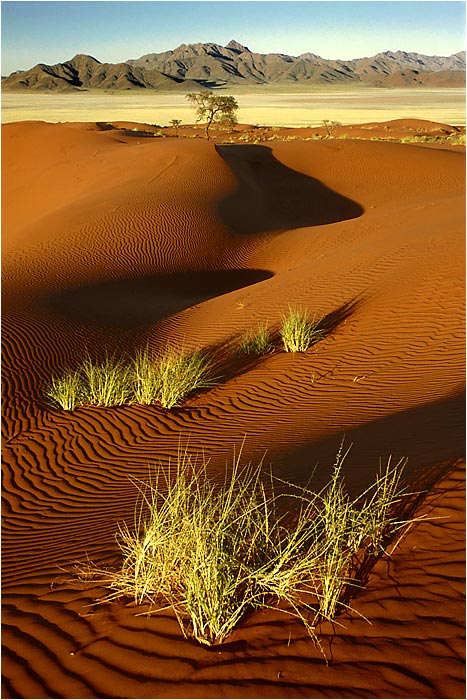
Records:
x=114, y=239
x=272, y=105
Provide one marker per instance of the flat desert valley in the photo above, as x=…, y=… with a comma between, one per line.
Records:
x=266, y=105
x=115, y=239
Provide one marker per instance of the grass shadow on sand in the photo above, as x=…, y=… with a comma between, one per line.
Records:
x=223, y=361
x=273, y=197
x=419, y=486
x=137, y=302
x=228, y=361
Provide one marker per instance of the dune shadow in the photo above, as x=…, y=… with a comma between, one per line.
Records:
x=426, y=435
x=134, y=303
x=273, y=197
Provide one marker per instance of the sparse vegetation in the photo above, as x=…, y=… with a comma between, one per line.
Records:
x=215, y=551
x=330, y=127
x=453, y=139
x=298, y=332
x=167, y=379
x=66, y=391
x=214, y=109
x=175, y=123
x=256, y=342
x=180, y=374
x=457, y=139
x=327, y=130
x=145, y=378
x=105, y=383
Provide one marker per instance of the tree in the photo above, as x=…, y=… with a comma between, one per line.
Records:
x=330, y=127
x=176, y=123
x=215, y=109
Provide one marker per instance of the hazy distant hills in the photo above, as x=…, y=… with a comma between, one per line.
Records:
x=195, y=66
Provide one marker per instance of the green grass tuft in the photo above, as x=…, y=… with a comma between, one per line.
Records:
x=256, y=342
x=106, y=383
x=180, y=375
x=146, y=381
x=66, y=391
x=298, y=333
x=167, y=378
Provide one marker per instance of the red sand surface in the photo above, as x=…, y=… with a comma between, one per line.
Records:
x=111, y=241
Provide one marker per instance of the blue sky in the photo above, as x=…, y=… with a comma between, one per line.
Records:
x=52, y=32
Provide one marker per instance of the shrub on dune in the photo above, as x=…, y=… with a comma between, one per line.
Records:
x=213, y=552
x=298, y=333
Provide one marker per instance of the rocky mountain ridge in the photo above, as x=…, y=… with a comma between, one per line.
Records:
x=209, y=65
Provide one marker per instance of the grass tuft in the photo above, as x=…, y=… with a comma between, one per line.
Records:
x=215, y=551
x=180, y=375
x=66, y=391
x=146, y=381
x=168, y=379
x=256, y=342
x=298, y=333
x=105, y=383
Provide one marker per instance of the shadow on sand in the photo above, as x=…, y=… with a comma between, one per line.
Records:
x=134, y=303
x=228, y=360
x=427, y=435
x=273, y=197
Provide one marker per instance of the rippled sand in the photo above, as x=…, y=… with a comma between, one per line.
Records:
x=112, y=242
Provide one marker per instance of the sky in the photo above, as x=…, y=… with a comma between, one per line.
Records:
x=53, y=32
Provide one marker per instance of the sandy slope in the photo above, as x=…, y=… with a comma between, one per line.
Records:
x=111, y=241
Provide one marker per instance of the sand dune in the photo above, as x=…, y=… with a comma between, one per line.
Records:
x=111, y=241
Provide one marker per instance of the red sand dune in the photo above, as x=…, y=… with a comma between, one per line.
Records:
x=111, y=241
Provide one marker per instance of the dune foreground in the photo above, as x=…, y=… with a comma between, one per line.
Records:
x=110, y=242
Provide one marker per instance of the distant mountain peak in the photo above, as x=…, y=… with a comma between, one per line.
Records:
x=236, y=46
x=83, y=57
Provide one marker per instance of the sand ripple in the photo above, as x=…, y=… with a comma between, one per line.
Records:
x=175, y=241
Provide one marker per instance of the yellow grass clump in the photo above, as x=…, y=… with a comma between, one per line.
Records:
x=214, y=551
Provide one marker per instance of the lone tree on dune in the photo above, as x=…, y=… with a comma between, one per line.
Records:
x=330, y=127
x=215, y=109
x=176, y=123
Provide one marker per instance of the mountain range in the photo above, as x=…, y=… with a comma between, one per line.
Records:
x=198, y=66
